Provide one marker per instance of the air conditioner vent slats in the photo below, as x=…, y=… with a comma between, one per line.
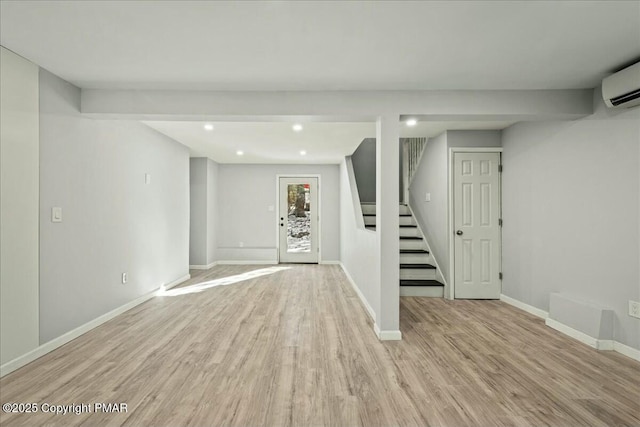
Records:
x=622, y=89
x=619, y=100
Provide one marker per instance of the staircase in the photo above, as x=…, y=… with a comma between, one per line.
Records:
x=417, y=272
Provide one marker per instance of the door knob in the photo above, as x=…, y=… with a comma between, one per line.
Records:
x=459, y=232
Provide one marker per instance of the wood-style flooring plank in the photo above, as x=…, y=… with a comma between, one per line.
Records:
x=291, y=345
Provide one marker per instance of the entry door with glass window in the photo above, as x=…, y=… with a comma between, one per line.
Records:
x=298, y=220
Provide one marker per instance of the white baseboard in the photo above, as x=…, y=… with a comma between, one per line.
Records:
x=47, y=347
x=387, y=335
x=573, y=333
x=594, y=342
x=382, y=335
x=631, y=352
x=603, y=345
x=523, y=306
x=203, y=267
x=247, y=262
x=331, y=262
x=606, y=345
x=364, y=301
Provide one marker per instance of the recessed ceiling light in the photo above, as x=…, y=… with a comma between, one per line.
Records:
x=297, y=127
x=208, y=126
x=240, y=152
x=303, y=153
x=412, y=122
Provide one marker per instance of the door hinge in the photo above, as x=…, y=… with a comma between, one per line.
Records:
x=500, y=168
x=500, y=222
x=500, y=275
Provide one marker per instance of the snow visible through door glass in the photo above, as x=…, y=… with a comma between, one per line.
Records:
x=299, y=224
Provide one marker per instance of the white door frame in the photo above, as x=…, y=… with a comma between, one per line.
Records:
x=449, y=293
x=277, y=218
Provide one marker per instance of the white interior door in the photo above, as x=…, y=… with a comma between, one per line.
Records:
x=298, y=220
x=476, y=205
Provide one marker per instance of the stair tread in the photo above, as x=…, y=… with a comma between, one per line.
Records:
x=369, y=214
x=418, y=266
x=370, y=227
x=410, y=238
x=414, y=251
x=420, y=283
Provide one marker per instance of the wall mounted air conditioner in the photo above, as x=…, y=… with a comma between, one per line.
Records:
x=622, y=89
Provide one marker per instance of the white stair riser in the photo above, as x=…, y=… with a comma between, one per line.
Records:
x=407, y=220
x=369, y=220
x=409, y=231
x=422, y=291
x=417, y=274
x=371, y=209
x=411, y=244
x=403, y=220
x=368, y=209
x=415, y=259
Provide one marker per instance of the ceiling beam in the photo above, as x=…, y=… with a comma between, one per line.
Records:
x=338, y=105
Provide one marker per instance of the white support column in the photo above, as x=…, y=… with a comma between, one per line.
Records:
x=387, y=225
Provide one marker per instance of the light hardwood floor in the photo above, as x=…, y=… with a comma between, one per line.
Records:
x=294, y=347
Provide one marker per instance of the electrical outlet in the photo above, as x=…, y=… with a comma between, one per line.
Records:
x=634, y=309
x=124, y=278
x=241, y=244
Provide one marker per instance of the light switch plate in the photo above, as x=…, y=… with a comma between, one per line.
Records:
x=271, y=208
x=427, y=197
x=56, y=214
x=147, y=178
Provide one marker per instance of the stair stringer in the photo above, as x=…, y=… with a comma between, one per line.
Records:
x=439, y=276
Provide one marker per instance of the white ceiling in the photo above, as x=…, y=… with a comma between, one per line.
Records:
x=276, y=142
x=374, y=45
x=268, y=142
x=320, y=45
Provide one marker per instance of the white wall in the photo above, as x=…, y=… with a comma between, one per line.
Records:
x=432, y=176
x=203, y=184
x=387, y=223
x=112, y=221
x=571, y=208
x=358, y=246
x=212, y=210
x=198, y=198
x=474, y=138
x=19, y=188
x=245, y=193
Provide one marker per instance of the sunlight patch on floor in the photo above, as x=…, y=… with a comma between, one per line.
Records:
x=200, y=287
